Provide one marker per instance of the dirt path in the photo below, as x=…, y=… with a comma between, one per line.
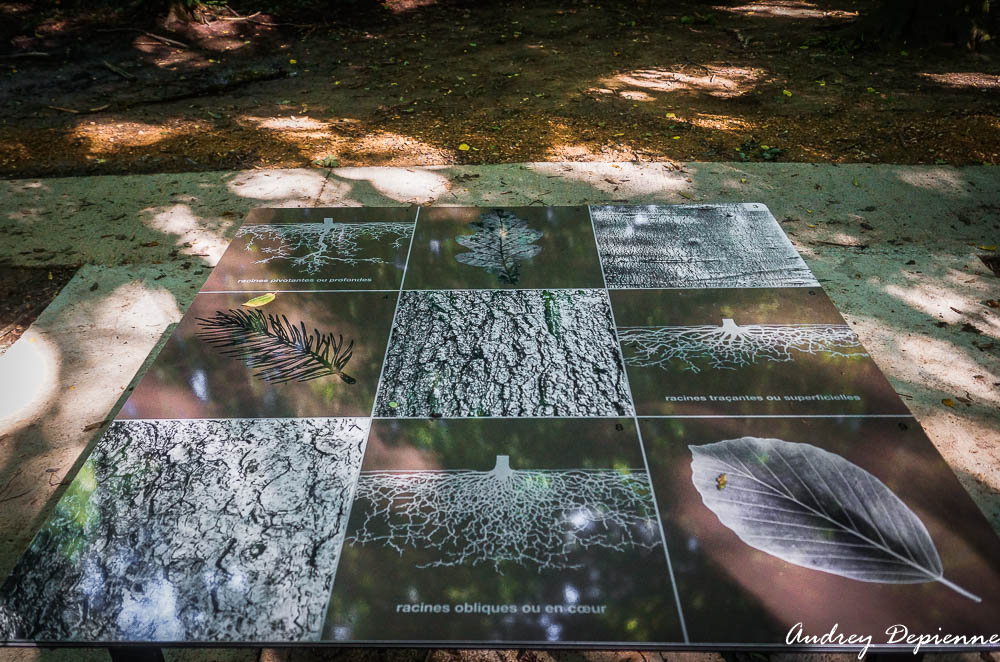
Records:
x=432, y=83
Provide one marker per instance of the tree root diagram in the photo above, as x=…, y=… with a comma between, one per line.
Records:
x=311, y=246
x=732, y=346
x=527, y=517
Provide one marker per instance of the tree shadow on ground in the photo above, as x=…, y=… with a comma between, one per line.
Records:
x=650, y=81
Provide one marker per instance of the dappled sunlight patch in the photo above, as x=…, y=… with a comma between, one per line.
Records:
x=281, y=188
x=292, y=123
x=155, y=306
x=636, y=95
x=107, y=136
x=400, y=184
x=13, y=152
x=965, y=79
x=721, y=122
x=845, y=239
x=401, y=6
x=195, y=235
x=29, y=376
x=713, y=80
x=120, y=327
x=169, y=57
x=945, y=367
x=786, y=9
x=571, y=152
x=968, y=445
x=301, y=125
x=947, y=295
x=386, y=148
x=621, y=180
x=948, y=181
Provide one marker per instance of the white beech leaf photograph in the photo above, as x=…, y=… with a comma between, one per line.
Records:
x=815, y=509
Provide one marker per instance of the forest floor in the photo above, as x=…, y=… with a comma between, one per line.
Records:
x=420, y=82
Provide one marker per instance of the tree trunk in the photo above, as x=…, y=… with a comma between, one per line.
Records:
x=965, y=22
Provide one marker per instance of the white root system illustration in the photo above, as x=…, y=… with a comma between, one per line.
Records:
x=731, y=346
x=311, y=246
x=526, y=517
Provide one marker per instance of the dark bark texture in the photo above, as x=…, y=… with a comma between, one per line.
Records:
x=504, y=353
x=193, y=530
x=964, y=22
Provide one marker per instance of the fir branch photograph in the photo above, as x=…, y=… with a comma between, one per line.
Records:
x=301, y=354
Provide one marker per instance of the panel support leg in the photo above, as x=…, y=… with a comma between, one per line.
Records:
x=135, y=654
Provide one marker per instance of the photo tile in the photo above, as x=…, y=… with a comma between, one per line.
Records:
x=503, y=248
x=540, y=530
x=856, y=524
x=696, y=246
x=342, y=248
x=763, y=351
x=192, y=530
x=514, y=353
x=302, y=354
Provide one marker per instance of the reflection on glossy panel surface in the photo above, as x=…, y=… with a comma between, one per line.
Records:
x=520, y=247
x=208, y=530
x=696, y=246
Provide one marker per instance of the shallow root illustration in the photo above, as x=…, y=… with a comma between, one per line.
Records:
x=731, y=346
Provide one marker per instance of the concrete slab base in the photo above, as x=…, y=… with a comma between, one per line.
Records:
x=896, y=247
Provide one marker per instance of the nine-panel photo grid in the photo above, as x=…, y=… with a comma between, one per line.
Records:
x=605, y=426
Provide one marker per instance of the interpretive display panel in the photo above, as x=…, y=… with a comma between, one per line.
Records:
x=607, y=427
x=350, y=248
x=854, y=523
x=746, y=351
x=302, y=354
x=522, y=530
x=522, y=248
x=201, y=530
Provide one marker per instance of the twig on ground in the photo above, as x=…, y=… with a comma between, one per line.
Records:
x=94, y=426
x=165, y=40
x=10, y=327
x=237, y=17
x=288, y=25
x=841, y=244
x=80, y=112
x=25, y=54
x=15, y=496
x=121, y=72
